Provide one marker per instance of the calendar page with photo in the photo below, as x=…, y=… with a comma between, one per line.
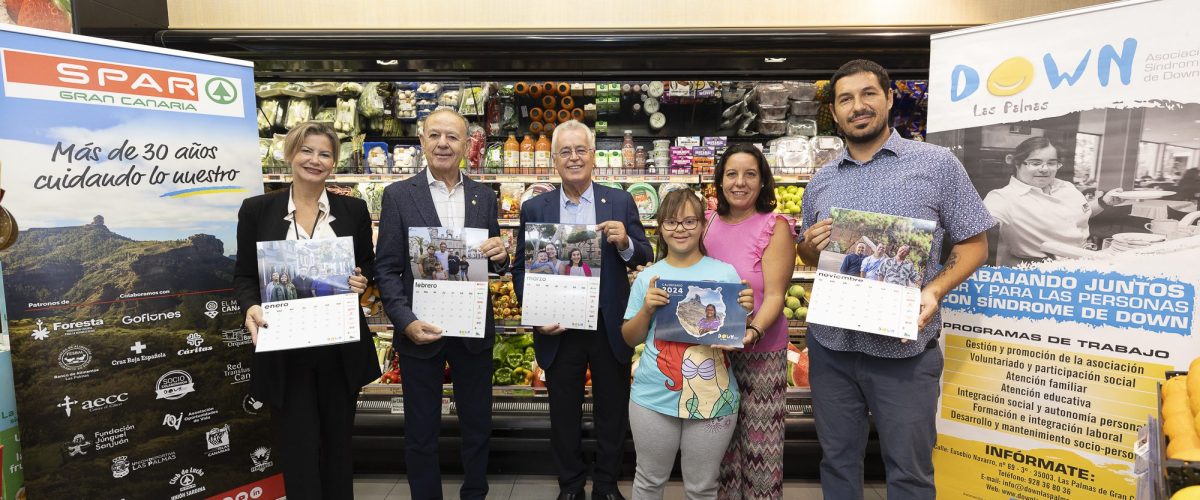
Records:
x=450, y=277
x=562, y=275
x=877, y=260
x=305, y=292
x=701, y=312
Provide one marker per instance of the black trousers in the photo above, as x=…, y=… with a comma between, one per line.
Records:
x=565, y=379
x=313, y=429
x=471, y=374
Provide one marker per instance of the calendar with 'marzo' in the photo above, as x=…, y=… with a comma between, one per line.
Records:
x=701, y=312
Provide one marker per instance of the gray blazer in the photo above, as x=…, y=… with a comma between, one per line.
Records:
x=408, y=204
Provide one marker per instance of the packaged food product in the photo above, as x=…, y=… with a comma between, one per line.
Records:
x=658, y=121
x=510, y=200
x=687, y=141
x=802, y=126
x=536, y=189
x=264, y=155
x=825, y=149
x=493, y=158
x=541, y=153
x=478, y=140
x=526, y=155
x=716, y=141
x=375, y=157
x=276, y=160
x=804, y=108
x=772, y=127
x=770, y=112
x=299, y=110
x=771, y=94
x=614, y=185
x=707, y=151
x=371, y=103
x=601, y=159
x=801, y=91
x=646, y=199
x=512, y=153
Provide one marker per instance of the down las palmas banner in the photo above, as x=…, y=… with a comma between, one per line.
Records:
x=1081, y=131
x=124, y=167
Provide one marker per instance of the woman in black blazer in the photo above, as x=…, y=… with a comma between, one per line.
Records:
x=312, y=392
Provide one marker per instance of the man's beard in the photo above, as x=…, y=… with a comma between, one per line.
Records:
x=863, y=136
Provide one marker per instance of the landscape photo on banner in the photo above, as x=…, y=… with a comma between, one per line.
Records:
x=125, y=166
x=1085, y=147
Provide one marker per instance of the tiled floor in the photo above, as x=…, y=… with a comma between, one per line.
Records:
x=394, y=487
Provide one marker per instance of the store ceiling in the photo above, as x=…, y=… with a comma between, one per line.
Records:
x=805, y=53
x=685, y=54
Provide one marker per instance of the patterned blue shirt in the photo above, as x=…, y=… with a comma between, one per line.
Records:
x=909, y=179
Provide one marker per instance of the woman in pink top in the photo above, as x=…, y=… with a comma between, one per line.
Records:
x=744, y=232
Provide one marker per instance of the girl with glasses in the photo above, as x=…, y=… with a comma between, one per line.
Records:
x=683, y=398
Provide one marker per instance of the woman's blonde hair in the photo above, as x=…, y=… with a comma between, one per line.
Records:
x=296, y=136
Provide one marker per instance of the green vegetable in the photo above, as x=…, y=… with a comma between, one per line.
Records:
x=503, y=376
x=522, y=341
x=515, y=359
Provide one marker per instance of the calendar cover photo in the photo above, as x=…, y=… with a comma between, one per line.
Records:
x=878, y=247
x=445, y=254
x=562, y=249
x=701, y=312
x=301, y=269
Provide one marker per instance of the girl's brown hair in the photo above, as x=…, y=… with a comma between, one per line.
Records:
x=672, y=205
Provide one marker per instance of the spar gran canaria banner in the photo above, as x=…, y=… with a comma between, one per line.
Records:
x=1081, y=131
x=124, y=168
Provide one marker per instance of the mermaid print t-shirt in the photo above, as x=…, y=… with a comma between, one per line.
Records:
x=673, y=378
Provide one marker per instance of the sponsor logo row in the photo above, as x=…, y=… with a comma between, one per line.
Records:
x=76, y=361
x=43, y=330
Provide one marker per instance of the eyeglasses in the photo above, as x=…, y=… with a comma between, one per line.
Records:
x=580, y=152
x=689, y=224
x=1039, y=163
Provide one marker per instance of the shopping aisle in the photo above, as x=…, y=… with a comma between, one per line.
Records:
x=393, y=487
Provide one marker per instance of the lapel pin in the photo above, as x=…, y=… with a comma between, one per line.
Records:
x=603, y=200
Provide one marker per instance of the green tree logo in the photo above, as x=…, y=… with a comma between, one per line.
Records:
x=221, y=91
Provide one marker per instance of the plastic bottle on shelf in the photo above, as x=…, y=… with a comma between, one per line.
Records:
x=527, y=152
x=512, y=153
x=541, y=153
x=628, y=151
x=639, y=158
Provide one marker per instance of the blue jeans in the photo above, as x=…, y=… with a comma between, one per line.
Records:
x=901, y=394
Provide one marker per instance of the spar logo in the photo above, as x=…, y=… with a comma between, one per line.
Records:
x=37, y=75
x=1015, y=74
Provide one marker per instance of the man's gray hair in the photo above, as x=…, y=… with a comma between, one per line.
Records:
x=572, y=125
x=450, y=110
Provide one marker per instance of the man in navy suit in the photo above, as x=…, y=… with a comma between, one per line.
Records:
x=564, y=354
x=441, y=196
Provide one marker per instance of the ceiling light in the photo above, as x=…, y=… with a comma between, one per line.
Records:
x=774, y=59
x=390, y=62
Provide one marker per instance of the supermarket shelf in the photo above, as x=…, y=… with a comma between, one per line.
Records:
x=808, y=275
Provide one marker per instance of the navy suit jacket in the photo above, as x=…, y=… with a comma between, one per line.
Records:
x=611, y=204
x=408, y=204
x=261, y=219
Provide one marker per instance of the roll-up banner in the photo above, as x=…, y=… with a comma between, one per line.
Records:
x=124, y=167
x=1081, y=131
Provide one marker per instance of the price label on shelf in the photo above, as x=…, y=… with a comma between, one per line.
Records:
x=396, y=406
